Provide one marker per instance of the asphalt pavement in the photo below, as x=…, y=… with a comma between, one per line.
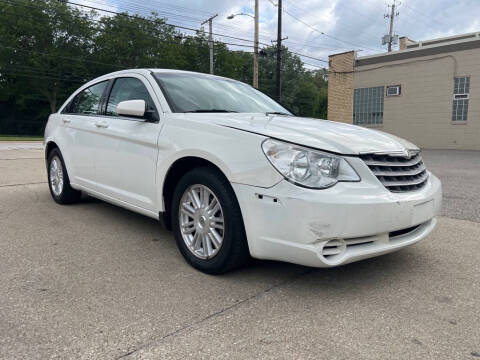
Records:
x=94, y=281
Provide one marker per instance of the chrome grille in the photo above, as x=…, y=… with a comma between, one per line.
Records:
x=398, y=173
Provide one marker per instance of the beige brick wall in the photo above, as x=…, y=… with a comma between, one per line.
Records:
x=422, y=114
x=340, y=87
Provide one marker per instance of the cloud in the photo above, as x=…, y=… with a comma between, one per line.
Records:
x=349, y=24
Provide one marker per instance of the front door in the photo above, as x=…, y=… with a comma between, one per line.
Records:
x=126, y=160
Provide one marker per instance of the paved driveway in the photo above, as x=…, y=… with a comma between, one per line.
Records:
x=93, y=281
x=460, y=175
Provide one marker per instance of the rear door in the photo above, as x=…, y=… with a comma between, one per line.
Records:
x=126, y=156
x=78, y=120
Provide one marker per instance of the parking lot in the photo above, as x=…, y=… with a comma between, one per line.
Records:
x=96, y=281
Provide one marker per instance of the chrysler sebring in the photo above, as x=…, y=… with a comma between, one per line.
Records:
x=234, y=174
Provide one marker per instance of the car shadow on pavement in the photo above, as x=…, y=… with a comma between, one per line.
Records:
x=359, y=276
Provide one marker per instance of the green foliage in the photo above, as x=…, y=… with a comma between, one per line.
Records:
x=48, y=49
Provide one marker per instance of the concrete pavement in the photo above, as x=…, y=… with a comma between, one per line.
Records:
x=460, y=175
x=94, y=281
x=19, y=145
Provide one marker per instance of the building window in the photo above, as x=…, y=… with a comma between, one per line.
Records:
x=394, y=90
x=461, y=94
x=368, y=106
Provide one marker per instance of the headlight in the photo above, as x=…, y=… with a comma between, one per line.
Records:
x=308, y=167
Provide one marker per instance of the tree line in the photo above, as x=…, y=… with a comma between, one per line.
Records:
x=49, y=48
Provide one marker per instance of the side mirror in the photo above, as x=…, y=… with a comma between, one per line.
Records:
x=132, y=108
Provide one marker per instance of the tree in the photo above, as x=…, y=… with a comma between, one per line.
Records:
x=45, y=45
x=134, y=42
x=49, y=48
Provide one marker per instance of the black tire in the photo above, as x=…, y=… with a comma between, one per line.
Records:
x=233, y=252
x=68, y=195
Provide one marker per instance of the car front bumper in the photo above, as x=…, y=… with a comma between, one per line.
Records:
x=330, y=227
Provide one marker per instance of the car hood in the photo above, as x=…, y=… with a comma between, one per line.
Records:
x=325, y=135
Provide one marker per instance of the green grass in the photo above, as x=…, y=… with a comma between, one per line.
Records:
x=20, y=138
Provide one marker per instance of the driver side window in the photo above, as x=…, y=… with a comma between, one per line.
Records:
x=130, y=89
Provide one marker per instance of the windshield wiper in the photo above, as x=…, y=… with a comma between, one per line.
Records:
x=277, y=113
x=210, y=111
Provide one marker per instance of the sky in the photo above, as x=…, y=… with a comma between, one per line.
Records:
x=315, y=28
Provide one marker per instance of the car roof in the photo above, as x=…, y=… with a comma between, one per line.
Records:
x=146, y=71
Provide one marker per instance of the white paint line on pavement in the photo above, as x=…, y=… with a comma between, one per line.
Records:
x=23, y=158
x=18, y=145
x=32, y=183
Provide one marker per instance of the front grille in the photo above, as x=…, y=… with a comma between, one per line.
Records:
x=398, y=173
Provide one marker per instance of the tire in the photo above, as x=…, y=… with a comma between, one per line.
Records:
x=221, y=256
x=64, y=193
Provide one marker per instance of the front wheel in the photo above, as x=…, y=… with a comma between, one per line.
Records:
x=207, y=222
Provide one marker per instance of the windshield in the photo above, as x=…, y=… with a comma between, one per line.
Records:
x=190, y=92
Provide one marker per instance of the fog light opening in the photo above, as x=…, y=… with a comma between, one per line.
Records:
x=333, y=249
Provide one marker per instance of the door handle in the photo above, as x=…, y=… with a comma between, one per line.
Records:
x=101, y=124
x=66, y=121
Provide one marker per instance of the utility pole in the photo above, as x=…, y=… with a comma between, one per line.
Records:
x=392, y=19
x=278, y=91
x=255, y=44
x=210, y=39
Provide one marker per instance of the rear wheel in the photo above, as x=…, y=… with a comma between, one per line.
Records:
x=58, y=180
x=207, y=222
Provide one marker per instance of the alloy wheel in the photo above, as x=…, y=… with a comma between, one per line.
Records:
x=201, y=221
x=56, y=176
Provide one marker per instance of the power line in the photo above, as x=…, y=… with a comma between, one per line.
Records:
x=423, y=14
x=182, y=27
x=319, y=31
x=145, y=19
x=132, y=26
x=119, y=66
x=364, y=36
x=308, y=57
x=39, y=76
x=58, y=56
x=319, y=67
x=178, y=26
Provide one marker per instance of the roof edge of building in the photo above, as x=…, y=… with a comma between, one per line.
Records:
x=341, y=53
x=409, y=53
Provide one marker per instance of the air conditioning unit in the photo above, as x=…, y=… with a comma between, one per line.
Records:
x=394, y=90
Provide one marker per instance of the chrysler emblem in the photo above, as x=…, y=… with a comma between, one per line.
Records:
x=408, y=154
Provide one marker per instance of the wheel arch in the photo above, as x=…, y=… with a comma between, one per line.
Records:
x=176, y=170
x=50, y=145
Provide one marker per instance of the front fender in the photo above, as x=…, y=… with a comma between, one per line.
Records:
x=237, y=154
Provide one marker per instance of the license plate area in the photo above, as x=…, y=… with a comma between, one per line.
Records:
x=423, y=211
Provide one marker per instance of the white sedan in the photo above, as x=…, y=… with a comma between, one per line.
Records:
x=234, y=174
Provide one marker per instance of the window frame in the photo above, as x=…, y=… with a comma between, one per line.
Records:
x=365, y=104
x=67, y=108
x=123, y=117
x=462, y=96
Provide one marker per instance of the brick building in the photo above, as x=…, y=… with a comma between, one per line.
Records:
x=427, y=92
